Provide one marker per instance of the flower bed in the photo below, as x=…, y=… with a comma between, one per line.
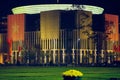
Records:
x=72, y=75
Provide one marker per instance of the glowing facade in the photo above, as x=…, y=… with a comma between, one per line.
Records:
x=64, y=37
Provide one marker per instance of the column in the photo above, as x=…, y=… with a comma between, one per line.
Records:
x=73, y=56
x=95, y=56
x=50, y=55
x=63, y=56
x=80, y=56
x=45, y=57
x=11, y=58
x=19, y=56
x=27, y=58
x=108, y=61
x=58, y=54
x=54, y=56
x=90, y=58
x=102, y=56
x=16, y=57
x=54, y=49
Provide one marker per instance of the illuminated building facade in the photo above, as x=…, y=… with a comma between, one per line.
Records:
x=61, y=37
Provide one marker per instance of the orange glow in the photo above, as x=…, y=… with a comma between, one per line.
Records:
x=10, y=46
x=111, y=26
x=16, y=27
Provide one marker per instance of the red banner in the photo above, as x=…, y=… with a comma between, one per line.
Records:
x=16, y=27
x=10, y=46
x=111, y=27
x=116, y=48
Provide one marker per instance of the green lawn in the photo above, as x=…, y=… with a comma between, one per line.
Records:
x=55, y=73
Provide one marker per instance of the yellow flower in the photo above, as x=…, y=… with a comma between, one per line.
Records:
x=73, y=73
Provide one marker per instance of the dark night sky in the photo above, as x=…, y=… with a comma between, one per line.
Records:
x=110, y=6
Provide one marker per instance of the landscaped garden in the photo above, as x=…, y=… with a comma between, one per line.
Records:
x=55, y=73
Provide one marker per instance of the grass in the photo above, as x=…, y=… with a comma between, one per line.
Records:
x=55, y=73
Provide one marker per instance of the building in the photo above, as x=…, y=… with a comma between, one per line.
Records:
x=61, y=34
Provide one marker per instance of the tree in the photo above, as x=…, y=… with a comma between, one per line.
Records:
x=30, y=54
x=90, y=35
